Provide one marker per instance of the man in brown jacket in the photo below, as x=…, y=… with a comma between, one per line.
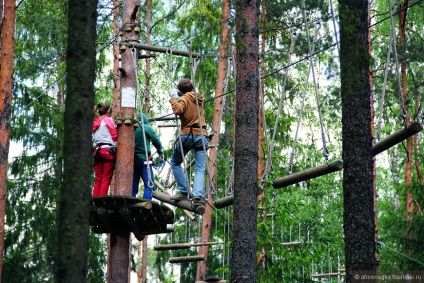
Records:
x=188, y=105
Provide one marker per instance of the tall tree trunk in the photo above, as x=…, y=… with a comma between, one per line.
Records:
x=410, y=202
x=374, y=168
x=148, y=42
x=119, y=260
x=116, y=73
x=116, y=76
x=416, y=148
x=216, y=127
x=116, y=105
x=359, y=226
x=261, y=129
x=7, y=45
x=142, y=272
x=1, y=25
x=76, y=188
x=243, y=256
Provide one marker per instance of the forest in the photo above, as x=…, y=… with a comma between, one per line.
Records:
x=324, y=87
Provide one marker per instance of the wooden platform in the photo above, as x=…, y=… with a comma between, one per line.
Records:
x=113, y=213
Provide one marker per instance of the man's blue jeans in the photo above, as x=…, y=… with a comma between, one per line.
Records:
x=190, y=142
x=140, y=171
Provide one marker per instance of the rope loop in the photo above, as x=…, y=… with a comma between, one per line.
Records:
x=170, y=67
x=168, y=176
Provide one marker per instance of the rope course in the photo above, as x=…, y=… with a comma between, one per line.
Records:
x=293, y=38
x=311, y=51
x=119, y=213
x=141, y=99
x=115, y=36
x=114, y=213
x=293, y=152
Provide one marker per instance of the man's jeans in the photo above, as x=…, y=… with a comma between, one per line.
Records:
x=190, y=142
x=140, y=171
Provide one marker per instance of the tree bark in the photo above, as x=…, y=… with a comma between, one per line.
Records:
x=142, y=271
x=7, y=44
x=359, y=226
x=216, y=128
x=261, y=129
x=148, y=62
x=243, y=256
x=119, y=252
x=77, y=151
x=410, y=202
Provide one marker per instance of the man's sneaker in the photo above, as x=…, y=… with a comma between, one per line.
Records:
x=179, y=196
x=198, y=201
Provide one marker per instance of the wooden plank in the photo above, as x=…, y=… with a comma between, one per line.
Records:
x=396, y=137
x=327, y=275
x=104, y=217
x=334, y=166
x=180, y=246
x=146, y=205
x=168, y=247
x=126, y=214
x=224, y=202
x=308, y=174
x=109, y=214
x=204, y=244
x=163, y=50
x=377, y=148
x=192, y=258
x=290, y=243
x=185, y=204
x=189, y=215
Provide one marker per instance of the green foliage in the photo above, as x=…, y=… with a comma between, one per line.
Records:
x=35, y=176
x=310, y=212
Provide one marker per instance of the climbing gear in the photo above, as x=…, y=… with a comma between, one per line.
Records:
x=112, y=150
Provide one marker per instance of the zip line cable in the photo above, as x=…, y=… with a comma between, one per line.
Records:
x=270, y=74
x=401, y=10
x=150, y=183
x=384, y=246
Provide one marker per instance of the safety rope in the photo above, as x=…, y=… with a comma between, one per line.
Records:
x=293, y=38
x=401, y=101
x=181, y=145
x=135, y=63
x=170, y=67
x=169, y=74
x=299, y=119
x=325, y=151
x=386, y=70
x=211, y=188
x=384, y=246
x=335, y=26
x=194, y=63
x=230, y=182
